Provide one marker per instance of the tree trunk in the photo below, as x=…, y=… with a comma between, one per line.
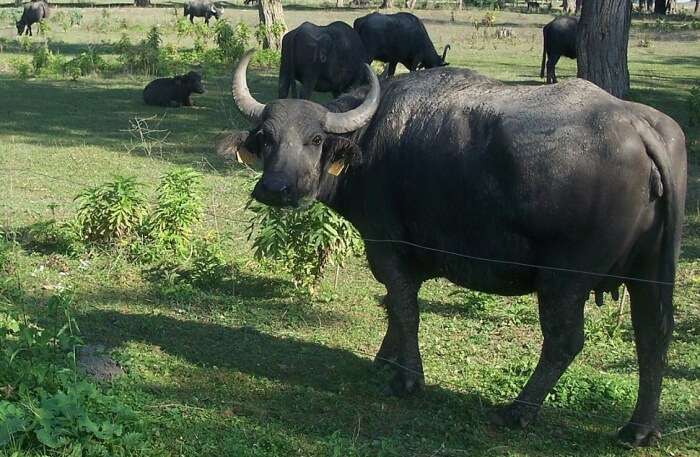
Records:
x=460, y=4
x=387, y=4
x=650, y=4
x=410, y=4
x=142, y=3
x=272, y=19
x=578, y=6
x=565, y=6
x=697, y=6
x=603, y=34
x=339, y=3
x=660, y=6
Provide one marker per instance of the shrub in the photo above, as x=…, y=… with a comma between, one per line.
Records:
x=178, y=209
x=231, y=41
x=145, y=57
x=111, y=212
x=86, y=63
x=45, y=402
x=267, y=58
x=22, y=67
x=304, y=241
x=489, y=19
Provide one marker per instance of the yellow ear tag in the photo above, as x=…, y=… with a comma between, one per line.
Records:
x=244, y=156
x=336, y=167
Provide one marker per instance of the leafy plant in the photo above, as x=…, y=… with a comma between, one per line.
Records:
x=111, y=212
x=304, y=241
x=178, y=208
x=489, y=19
x=231, y=41
x=46, y=402
x=22, y=67
x=86, y=63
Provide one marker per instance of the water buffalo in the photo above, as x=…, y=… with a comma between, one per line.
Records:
x=327, y=58
x=33, y=12
x=502, y=189
x=399, y=37
x=174, y=91
x=559, y=40
x=201, y=8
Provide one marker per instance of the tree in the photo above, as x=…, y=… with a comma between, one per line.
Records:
x=410, y=4
x=339, y=3
x=387, y=4
x=578, y=6
x=660, y=6
x=272, y=23
x=142, y=3
x=566, y=6
x=697, y=6
x=603, y=34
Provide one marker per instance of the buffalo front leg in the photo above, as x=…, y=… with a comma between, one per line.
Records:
x=561, y=320
x=652, y=335
x=551, y=68
x=401, y=340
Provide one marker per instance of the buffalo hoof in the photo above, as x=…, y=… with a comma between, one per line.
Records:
x=515, y=415
x=402, y=385
x=638, y=435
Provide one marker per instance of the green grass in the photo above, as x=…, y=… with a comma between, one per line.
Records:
x=262, y=370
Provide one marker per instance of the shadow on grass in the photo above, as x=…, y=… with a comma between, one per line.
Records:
x=97, y=113
x=321, y=390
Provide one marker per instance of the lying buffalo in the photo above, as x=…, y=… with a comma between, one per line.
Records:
x=201, y=8
x=559, y=40
x=174, y=91
x=399, y=37
x=501, y=189
x=33, y=12
x=327, y=58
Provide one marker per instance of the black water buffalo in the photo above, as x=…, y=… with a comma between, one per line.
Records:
x=399, y=37
x=559, y=40
x=201, y=8
x=502, y=189
x=173, y=91
x=327, y=58
x=33, y=12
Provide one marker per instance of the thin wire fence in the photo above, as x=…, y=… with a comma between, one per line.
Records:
x=205, y=164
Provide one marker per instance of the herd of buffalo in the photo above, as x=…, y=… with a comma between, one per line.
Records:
x=558, y=190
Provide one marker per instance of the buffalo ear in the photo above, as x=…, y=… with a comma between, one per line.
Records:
x=239, y=146
x=339, y=152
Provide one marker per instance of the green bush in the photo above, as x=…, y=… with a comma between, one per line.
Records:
x=304, y=241
x=231, y=41
x=146, y=57
x=46, y=403
x=22, y=67
x=86, y=63
x=178, y=209
x=111, y=213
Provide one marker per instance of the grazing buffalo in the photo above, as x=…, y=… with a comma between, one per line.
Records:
x=33, y=12
x=559, y=40
x=502, y=189
x=174, y=91
x=327, y=58
x=399, y=37
x=201, y=8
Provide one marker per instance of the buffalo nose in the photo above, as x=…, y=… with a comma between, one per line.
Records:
x=272, y=192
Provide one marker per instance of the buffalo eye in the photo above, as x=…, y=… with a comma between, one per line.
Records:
x=317, y=140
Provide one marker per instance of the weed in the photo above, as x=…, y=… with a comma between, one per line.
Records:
x=22, y=67
x=304, y=241
x=45, y=401
x=178, y=209
x=111, y=212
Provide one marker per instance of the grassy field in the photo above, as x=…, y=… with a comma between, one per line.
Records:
x=263, y=370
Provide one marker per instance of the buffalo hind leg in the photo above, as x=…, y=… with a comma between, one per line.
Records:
x=561, y=320
x=551, y=68
x=388, y=354
x=401, y=340
x=652, y=337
